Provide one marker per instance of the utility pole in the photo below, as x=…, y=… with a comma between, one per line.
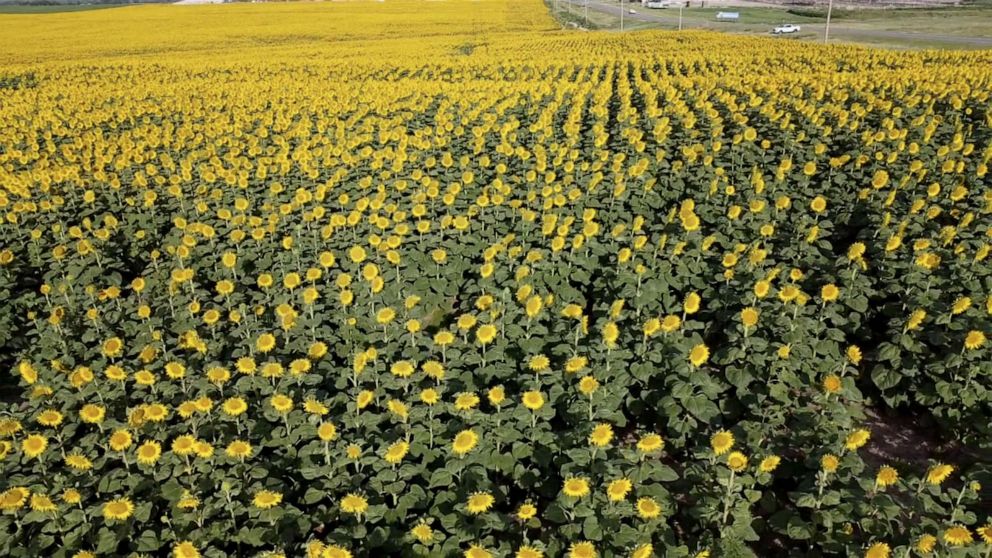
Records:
x=586, y=14
x=826, y=31
x=621, y=16
x=680, y=17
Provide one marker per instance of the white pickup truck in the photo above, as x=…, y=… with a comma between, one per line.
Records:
x=785, y=28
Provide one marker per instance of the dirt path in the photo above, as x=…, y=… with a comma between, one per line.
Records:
x=835, y=30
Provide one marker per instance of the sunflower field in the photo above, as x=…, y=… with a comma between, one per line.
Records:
x=415, y=278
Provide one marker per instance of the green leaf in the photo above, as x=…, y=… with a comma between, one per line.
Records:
x=312, y=496
x=885, y=378
x=591, y=528
x=701, y=407
x=148, y=541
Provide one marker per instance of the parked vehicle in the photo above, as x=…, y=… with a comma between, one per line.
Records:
x=786, y=28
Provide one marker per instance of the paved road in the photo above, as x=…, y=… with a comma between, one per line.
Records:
x=652, y=17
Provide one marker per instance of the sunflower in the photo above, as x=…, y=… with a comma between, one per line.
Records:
x=925, y=544
x=961, y=304
x=120, y=440
x=610, y=334
x=583, y=549
x=396, y=452
x=354, y=504
x=464, y=442
x=265, y=342
x=749, y=316
x=618, y=489
x=422, y=532
x=576, y=487
x=265, y=499
x=92, y=414
x=364, y=398
x=737, y=461
x=533, y=400
x=185, y=549
x=444, y=338
x=485, y=334
x=112, y=347
x=317, y=350
x=648, y=508
x=175, y=370
x=829, y=463
x=985, y=533
x=496, y=395
x=588, y=385
x=878, y=550
x=528, y=551
x=769, y=463
x=915, y=319
x=402, y=369
x=78, y=462
x=327, y=431
x=315, y=407
x=71, y=496
x=601, y=435
x=14, y=498
x=650, y=443
x=149, y=452
x=353, y=451
x=829, y=292
x=385, y=316
x=832, y=384
x=238, y=449
x=699, y=355
x=939, y=473
x=477, y=551
x=188, y=501
x=118, y=510
x=224, y=287
x=203, y=449
x=789, y=293
x=958, y=535
x=42, y=503
x=526, y=511
x=246, y=365
x=34, y=445
x=147, y=378
x=721, y=442
x=690, y=305
x=645, y=550
x=281, y=403
x=857, y=439
x=433, y=369
x=466, y=401
x=115, y=373
x=479, y=502
x=854, y=354
x=538, y=363
x=533, y=306
x=184, y=445
x=886, y=476
x=974, y=340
